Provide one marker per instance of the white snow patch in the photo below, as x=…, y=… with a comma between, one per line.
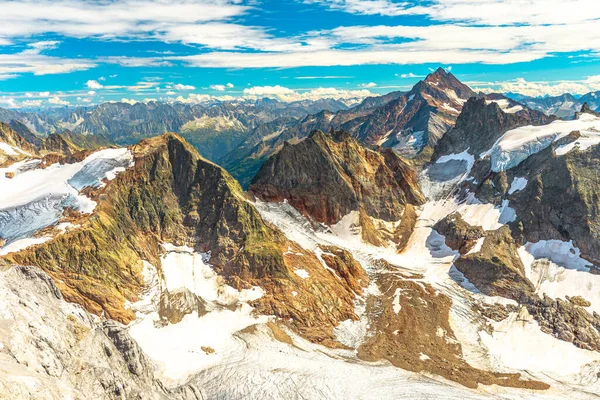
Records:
x=448, y=107
x=177, y=348
x=517, y=184
x=396, y=303
x=477, y=247
x=22, y=244
x=516, y=145
x=8, y=149
x=559, y=252
x=488, y=216
x=302, y=273
x=517, y=343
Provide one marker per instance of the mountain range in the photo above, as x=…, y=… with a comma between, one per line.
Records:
x=438, y=243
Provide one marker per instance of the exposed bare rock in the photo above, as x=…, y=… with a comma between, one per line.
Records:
x=74, y=356
x=496, y=269
x=480, y=124
x=459, y=235
x=566, y=321
x=175, y=305
x=415, y=122
x=328, y=176
x=410, y=329
x=174, y=195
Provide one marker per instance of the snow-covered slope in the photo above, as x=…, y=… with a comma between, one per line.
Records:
x=518, y=144
x=33, y=198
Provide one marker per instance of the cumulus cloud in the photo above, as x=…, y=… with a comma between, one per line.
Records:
x=409, y=75
x=92, y=84
x=31, y=103
x=221, y=88
x=552, y=88
x=57, y=101
x=180, y=86
x=286, y=94
x=368, y=85
x=7, y=101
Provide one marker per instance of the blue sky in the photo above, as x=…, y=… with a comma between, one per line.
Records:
x=78, y=52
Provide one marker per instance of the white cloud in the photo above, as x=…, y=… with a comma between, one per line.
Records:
x=368, y=85
x=6, y=101
x=91, y=92
x=58, y=101
x=32, y=61
x=92, y=84
x=79, y=18
x=409, y=75
x=489, y=12
x=44, y=94
x=221, y=88
x=180, y=86
x=286, y=94
x=552, y=88
x=366, y=7
x=31, y=103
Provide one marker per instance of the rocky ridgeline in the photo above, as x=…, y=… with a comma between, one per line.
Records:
x=327, y=176
x=172, y=194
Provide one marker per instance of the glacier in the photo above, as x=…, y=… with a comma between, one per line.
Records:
x=518, y=144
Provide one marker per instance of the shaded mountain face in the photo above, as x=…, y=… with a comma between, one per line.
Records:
x=407, y=122
x=536, y=175
x=244, y=162
x=481, y=123
x=417, y=119
x=172, y=195
x=328, y=176
x=563, y=106
x=13, y=147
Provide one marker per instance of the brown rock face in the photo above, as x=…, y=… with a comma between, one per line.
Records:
x=496, y=269
x=417, y=120
x=174, y=195
x=459, y=235
x=328, y=176
x=409, y=327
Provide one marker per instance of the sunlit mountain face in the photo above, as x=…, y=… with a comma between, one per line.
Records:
x=303, y=199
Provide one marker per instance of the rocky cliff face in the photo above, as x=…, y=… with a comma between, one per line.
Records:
x=14, y=147
x=327, y=176
x=418, y=119
x=173, y=195
x=75, y=354
x=480, y=124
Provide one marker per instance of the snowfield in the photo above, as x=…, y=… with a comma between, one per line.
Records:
x=35, y=198
x=516, y=145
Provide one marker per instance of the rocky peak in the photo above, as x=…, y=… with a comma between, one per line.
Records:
x=327, y=176
x=585, y=109
x=26, y=133
x=480, y=124
x=58, y=143
x=443, y=80
x=413, y=123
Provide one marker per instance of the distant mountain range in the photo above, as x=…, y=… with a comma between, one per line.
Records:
x=563, y=106
x=242, y=135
